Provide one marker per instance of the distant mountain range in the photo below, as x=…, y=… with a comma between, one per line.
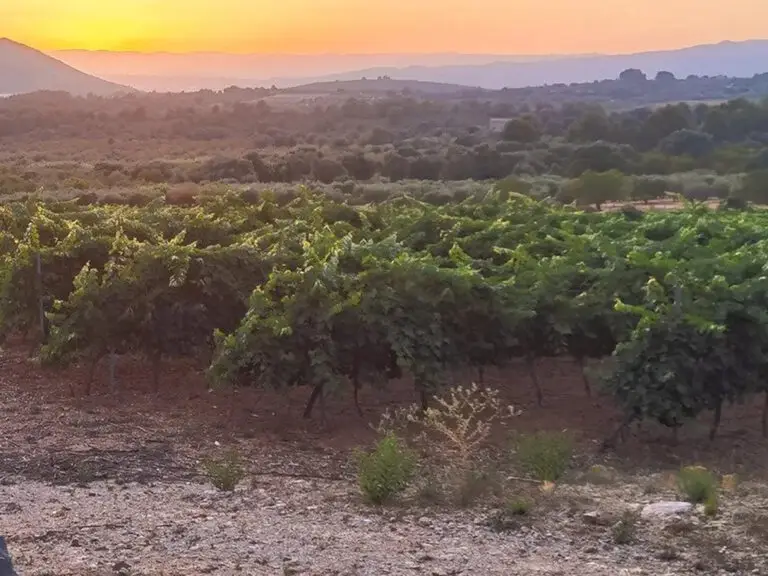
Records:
x=24, y=69
x=174, y=72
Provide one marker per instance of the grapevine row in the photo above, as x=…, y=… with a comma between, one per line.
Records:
x=320, y=294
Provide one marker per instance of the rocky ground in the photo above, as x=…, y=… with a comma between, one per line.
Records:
x=113, y=485
x=300, y=526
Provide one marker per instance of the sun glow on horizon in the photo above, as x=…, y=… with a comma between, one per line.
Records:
x=396, y=26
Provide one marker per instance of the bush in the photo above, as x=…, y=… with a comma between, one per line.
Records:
x=712, y=504
x=182, y=195
x=624, y=530
x=645, y=188
x=224, y=473
x=519, y=506
x=386, y=471
x=545, y=455
x=697, y=484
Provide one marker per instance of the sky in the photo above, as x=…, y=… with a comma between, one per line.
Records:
x=370, y=26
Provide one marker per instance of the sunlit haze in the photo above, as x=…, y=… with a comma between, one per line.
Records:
x=394, y=26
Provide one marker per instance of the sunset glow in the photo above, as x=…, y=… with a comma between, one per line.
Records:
x=395, y=26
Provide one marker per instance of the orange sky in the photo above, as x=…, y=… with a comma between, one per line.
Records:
x=391, y=26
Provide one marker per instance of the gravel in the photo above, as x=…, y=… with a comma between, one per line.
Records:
x=300, y=526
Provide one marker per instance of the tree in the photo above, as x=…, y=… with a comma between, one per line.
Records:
x=754, y=187
x=633, y=75
x=395, y=167
x=326, y=170
x=521, y=130
x=358, y=166
x=647, y=188
x=591, y=127
x=687, y=143
x=665, y=120
x=665, y=77
x=598, y=187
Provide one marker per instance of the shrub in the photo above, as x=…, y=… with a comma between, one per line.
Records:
x=697, y=484
x=519, y=506
x=545, y=455
x=224, y=473
x=386, y=471
x=645, y=188
x=712, y=504
x=625, y=529
x=183, y=194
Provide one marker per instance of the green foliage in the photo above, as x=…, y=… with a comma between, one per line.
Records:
x=698, y=485
x=294, y=289
x=754, y=187
x=224, y=473
x=518, y=506
x=545, y=455
x=598, y=188
x=625, y=530
x=645, y=188
x=520, y=130
x=386, y=471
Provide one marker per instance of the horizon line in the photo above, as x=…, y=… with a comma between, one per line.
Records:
x=373, y=54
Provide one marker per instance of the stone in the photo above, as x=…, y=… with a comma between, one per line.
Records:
x=666, y=509
x=591, y=517
x=6, y=566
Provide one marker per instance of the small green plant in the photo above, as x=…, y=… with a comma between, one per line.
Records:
x=697, y=484
x=519, y=506
x=545, y=455
x=386, y=471
x=625, y=530
x=712, y=505
x=225, y=473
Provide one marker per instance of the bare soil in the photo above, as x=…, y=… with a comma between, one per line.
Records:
x=112, y=484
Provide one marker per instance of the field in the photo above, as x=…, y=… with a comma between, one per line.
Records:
x=279, y=334
x=357, y=333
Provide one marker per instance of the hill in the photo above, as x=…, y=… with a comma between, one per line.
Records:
x=24, y=69
x=174, y=72
x=742, y=59
x=381, y=86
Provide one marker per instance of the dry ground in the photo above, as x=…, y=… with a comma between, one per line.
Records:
x=111, y=484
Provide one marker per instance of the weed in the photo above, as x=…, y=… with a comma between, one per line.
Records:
x=519, y=506
x=225, y=473
x=712, y=504
x=545, y=455
x=385, y=471
x=460, y=420
x=697, y=484
x=625, y=530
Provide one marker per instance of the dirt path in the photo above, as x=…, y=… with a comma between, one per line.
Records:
x=112, y=484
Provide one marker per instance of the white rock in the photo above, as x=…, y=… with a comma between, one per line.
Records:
x=663, y=509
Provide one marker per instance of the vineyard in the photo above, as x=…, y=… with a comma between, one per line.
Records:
x=317, y=294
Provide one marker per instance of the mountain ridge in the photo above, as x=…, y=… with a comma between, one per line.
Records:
x=728, y=58
x=24, y=69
